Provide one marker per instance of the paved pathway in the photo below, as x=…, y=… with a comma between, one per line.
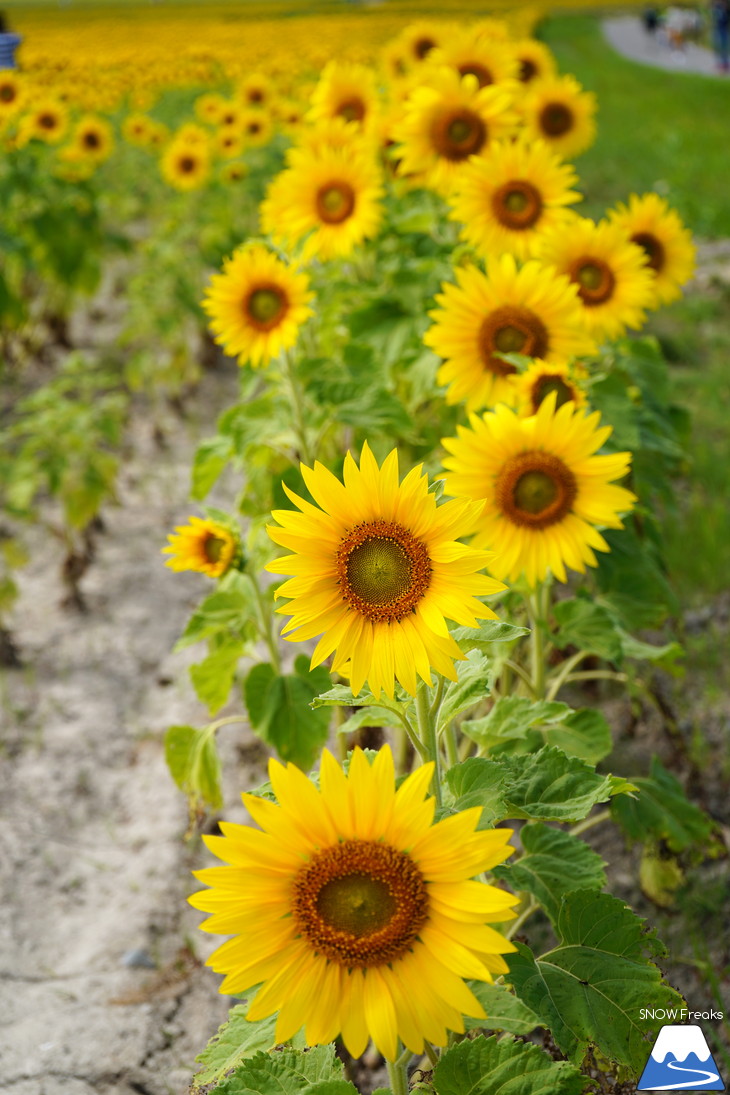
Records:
x=627, y=36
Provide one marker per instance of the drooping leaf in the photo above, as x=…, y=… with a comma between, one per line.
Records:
x=213, y=677
x=194, y=764
x=595, y=986
x=488, y=1066
x=221, y=610
x=280, y=709
x=210, y=459
x=554, y=863
x=583, y=733
x=661, y=811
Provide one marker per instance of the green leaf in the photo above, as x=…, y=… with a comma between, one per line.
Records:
x=488, y=1066
x=583, y=733
x=316, y=1071
x=210, y=459
x=489, y=631
x=665, y=656
x=280, y=709
x=661, y=811
x=256, y=691
x=505, y=1011
x=588, y=626
x=479, y=782
x=369, y=716
x=592, y=987
x=236, y=1040
x=511, y=717
x=220, y=611
x=213, y=677
x=554, y=864
x=194, y=764
x=471, y=687
x=341, y=696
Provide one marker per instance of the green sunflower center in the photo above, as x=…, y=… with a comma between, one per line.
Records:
x=360, y=903
x=509, y=330
x=352, y=110
x=517, y=204
x=213, y=548
x=594, y=278
x=653, y=248
x=383, y=570
x=335, y=202
x=545, y=385
x=536, y=489
x=458, y=134
x=264, y=306
x=556, y=119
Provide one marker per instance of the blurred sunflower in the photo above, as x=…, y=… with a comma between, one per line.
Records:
x=257, y=128
x=203, y=545
x=136, y=129
x=185, y=166
x=534, y=59
x=93, y=138
x=233, y=172
x=11, y=92
x=46, y=121
x=357, y=913
x=488, y=60
x=228, y=142
x=558, y=110
x=378, y=571
x=209, y=107
x=541, y=379
x=330, y=200
x=257, y=305
x=448, y=121
x=511, y=194
x=545, y=490
x=649, y=222
x=610, y=272
x=346, y=91
x=255, y=91
x=417, y=40
x=532, y=311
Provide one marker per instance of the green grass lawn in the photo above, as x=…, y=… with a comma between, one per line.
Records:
x=663, y=131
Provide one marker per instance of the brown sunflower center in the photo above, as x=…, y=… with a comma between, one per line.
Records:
x=556, y=119
x=528, y=70
x=48, y=121
x=264, y=306
x=253, y=128
x=213, y=548
x=335, y=202
x=186, y=164
x=535, y=489
x=352, y=110
x=517, y=204
x=545, y=385
x=360, y=903
x=511, y=330
x=594, y=278
x=475, y=68
x=7, y=93
x=255, y=96
x=422, y=47
x=383, y=570
x=654, y=249
x=458, y=134
x=91, y=140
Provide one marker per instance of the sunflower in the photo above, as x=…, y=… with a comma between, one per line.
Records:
x=47, y=121
x=532, y=311
x=11, y=92
x=610, y=272
x=649, y=222
x=418, y=40
x=489, y=61
x=377, y=571
x=191, y=134
x=228, y=142
x=540, y=379
x=203, y=545
x=331, y=197
x=448, y=121
x=136, y=129
x=185, y=166
x=545, y=490
x=93, y=138
x=357, y=914
x=346, y=91
x=233, y=172
x=534, y=59
x=330, y=135
x=209, y=107
x=511, y=194
x=257, y=128
x=255, y=91
x=257, y=305
x=561, y=112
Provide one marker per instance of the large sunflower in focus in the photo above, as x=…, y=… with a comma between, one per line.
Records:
x=257, y=305
x=332, y=198
x=446, y=122
x=356, y=913
x=649, y=222
x=511, y=194
x=545, y=490
x=532, y=311
x=610, y=272
x=558, y=110
x=378, y=571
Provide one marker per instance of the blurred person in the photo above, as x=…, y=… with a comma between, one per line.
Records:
x=721, y=33
x=9, y=42
x=650, y=17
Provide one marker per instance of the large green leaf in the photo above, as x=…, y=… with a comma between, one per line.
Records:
x=280, y=709
x=595, y=986
x=588, y=626
x=224, y=609
x=236, y=1040
x=505, y=1011
x=488, y=632
x=554, y=863
x=510, y=718
x=488, y=1066
x=213, y=677
x=315, y=1071
x=662, y=811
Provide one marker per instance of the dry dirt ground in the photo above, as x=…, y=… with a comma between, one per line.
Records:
x=102, y=987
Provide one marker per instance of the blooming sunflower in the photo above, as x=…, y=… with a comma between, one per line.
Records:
x=532, y=311
x=507, y=197
x=559, y=111
x=136, y=129
x=346, y=91
x=256, y=127
x=47, y=121
x=255, y=91
x=446, y=122
x=545, y=490
x=490, y=61
x=93, y=138
x=228, y=142
x=417, y=40
x=377, y=571
x=11, y=92
x=649, y=222
x=203, y=545
x=257, y=305
x=534, y=59
x=209, y=107
x=185, y=166
x=331, y=197
x=540, y=379
x=358, y=915
x=610, y=272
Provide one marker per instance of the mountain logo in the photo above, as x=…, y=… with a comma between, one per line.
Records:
x=681, y=1061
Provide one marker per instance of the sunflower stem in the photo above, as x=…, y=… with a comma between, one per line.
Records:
x=265, y=623
x=537, y=608
x=431, y=1053
x=590, y=822
x=398, y=1075
x=564, y=672
x=526, y=913
x=429, y=737
x=297, y=400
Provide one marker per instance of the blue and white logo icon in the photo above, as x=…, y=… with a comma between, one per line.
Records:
x=681, y=1060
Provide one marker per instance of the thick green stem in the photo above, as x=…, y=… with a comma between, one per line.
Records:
x=398, y=1074
x=521, y=673
x=297, y=401
x=427, y=734
x=537, y=607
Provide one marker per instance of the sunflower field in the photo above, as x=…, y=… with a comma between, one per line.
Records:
x=427, y=525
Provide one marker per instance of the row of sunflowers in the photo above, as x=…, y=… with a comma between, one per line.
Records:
x=450, y=422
